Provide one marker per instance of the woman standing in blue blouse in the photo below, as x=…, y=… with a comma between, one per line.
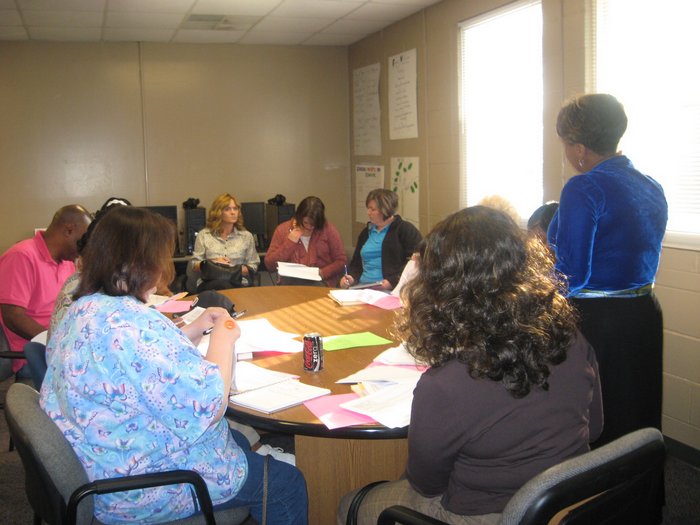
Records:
x=607, y=238
x=133, y=395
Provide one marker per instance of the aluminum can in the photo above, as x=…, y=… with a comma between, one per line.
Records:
x=313, y=352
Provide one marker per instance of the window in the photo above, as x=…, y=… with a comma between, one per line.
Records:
x=645, y=54
x=501, y=109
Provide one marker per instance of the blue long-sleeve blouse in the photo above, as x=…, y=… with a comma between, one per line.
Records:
x=608, y=230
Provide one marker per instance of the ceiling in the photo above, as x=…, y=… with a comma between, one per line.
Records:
x=275, y=22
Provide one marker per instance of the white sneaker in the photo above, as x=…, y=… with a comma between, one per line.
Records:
x=277, y=453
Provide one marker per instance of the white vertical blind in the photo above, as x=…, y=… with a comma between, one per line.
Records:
x=501, y=108
x=646, y=55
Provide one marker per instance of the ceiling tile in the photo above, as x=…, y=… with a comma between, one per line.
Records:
x=200, y=37
x=123, y=34
x=277, y=38
x=152, y=6
x=62, y=5
x=373, y=11
x=235, y=7
x=65, y=34
x=314, y=8
x=139, y=20
x=331, y=39
x=355, y=27
x=288, y=24
x=63, y=18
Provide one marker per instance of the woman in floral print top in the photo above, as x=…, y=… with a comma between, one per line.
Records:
x=131, y=392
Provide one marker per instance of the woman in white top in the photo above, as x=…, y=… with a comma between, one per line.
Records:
x=225, y=241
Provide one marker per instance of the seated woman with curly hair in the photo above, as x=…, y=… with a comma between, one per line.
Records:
x=513, y=387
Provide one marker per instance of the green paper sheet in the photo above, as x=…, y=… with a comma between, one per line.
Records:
x=339, y=342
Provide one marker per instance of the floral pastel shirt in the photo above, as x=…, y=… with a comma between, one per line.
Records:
x=132, y=395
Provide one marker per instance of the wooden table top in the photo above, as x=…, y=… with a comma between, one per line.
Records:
x=304, y=309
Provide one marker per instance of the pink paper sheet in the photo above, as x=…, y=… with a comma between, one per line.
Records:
x=390, y=302
x=328, y=410
x=174, y=307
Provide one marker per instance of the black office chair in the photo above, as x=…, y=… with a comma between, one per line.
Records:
x=35, y=353
x=617, y=483
x=56, y=482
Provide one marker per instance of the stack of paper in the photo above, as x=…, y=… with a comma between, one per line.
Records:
x=300, y=271
x=373, y=297
x=278, y=396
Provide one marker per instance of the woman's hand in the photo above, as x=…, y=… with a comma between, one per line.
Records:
x=222, y=260
x=206, y=320
x=346, y=281
x=386, y=285
x=295, y=233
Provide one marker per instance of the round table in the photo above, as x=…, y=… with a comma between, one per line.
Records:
x=333, y=461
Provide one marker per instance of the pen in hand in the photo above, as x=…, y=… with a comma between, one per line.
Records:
x=235, y=315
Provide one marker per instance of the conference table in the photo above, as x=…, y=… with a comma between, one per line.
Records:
x=333, y=461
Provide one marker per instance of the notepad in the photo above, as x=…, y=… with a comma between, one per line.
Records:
x=252, y=377
x=279, y=396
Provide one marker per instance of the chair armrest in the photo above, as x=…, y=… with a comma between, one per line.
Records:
x=143, y=481
x=404, y=515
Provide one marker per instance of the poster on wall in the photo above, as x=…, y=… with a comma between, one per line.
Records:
x=403, y=111
x=366, y=124
x=404, y=181
x=368, y=177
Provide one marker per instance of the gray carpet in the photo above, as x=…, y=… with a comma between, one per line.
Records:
x=682, y=484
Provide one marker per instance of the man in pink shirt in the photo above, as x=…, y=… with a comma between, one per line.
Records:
x=32, y=273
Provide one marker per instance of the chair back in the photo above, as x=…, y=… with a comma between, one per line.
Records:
x=35, y=353
x=52, y=470
x=619, y=483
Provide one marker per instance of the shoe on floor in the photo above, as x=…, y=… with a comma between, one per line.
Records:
x=277, y=453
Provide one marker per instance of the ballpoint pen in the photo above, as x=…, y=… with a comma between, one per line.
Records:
x=236, y=315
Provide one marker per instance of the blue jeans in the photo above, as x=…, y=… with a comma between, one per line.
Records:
x=287, y=500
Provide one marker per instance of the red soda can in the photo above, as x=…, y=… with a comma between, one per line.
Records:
x=313, y=352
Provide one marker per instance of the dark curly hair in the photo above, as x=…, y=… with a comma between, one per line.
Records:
x=487, y=295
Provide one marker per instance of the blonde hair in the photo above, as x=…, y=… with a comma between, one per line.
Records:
x=217, y=207
x=496, y=202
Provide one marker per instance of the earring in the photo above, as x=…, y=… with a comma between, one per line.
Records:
x=580, y=163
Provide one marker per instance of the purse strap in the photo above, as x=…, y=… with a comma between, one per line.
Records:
x=264, y=496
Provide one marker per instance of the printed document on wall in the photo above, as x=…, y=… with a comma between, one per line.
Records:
x=404, y=181
x=366, y=113
x=367, y=178
x=403, y=112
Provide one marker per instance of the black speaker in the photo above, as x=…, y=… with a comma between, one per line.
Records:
x=275, y=215
x=195, y=220
x=254, y=221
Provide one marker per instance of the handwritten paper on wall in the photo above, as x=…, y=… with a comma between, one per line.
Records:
x=365, y=114
x=403, y=113
x=367, y=178
x=404, y=181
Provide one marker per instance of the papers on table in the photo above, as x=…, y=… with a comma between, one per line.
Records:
x=328, y=410
x=397, y=355
x=278, y=396
x=257, y=335
x=390, y=406
x=384, y=374
x=171, y=304
x=339, y=342
x=387, y=390
x=373, y=297
x=251, y=377
x=300, y=271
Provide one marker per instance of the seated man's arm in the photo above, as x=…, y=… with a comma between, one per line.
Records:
x=17, y=320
